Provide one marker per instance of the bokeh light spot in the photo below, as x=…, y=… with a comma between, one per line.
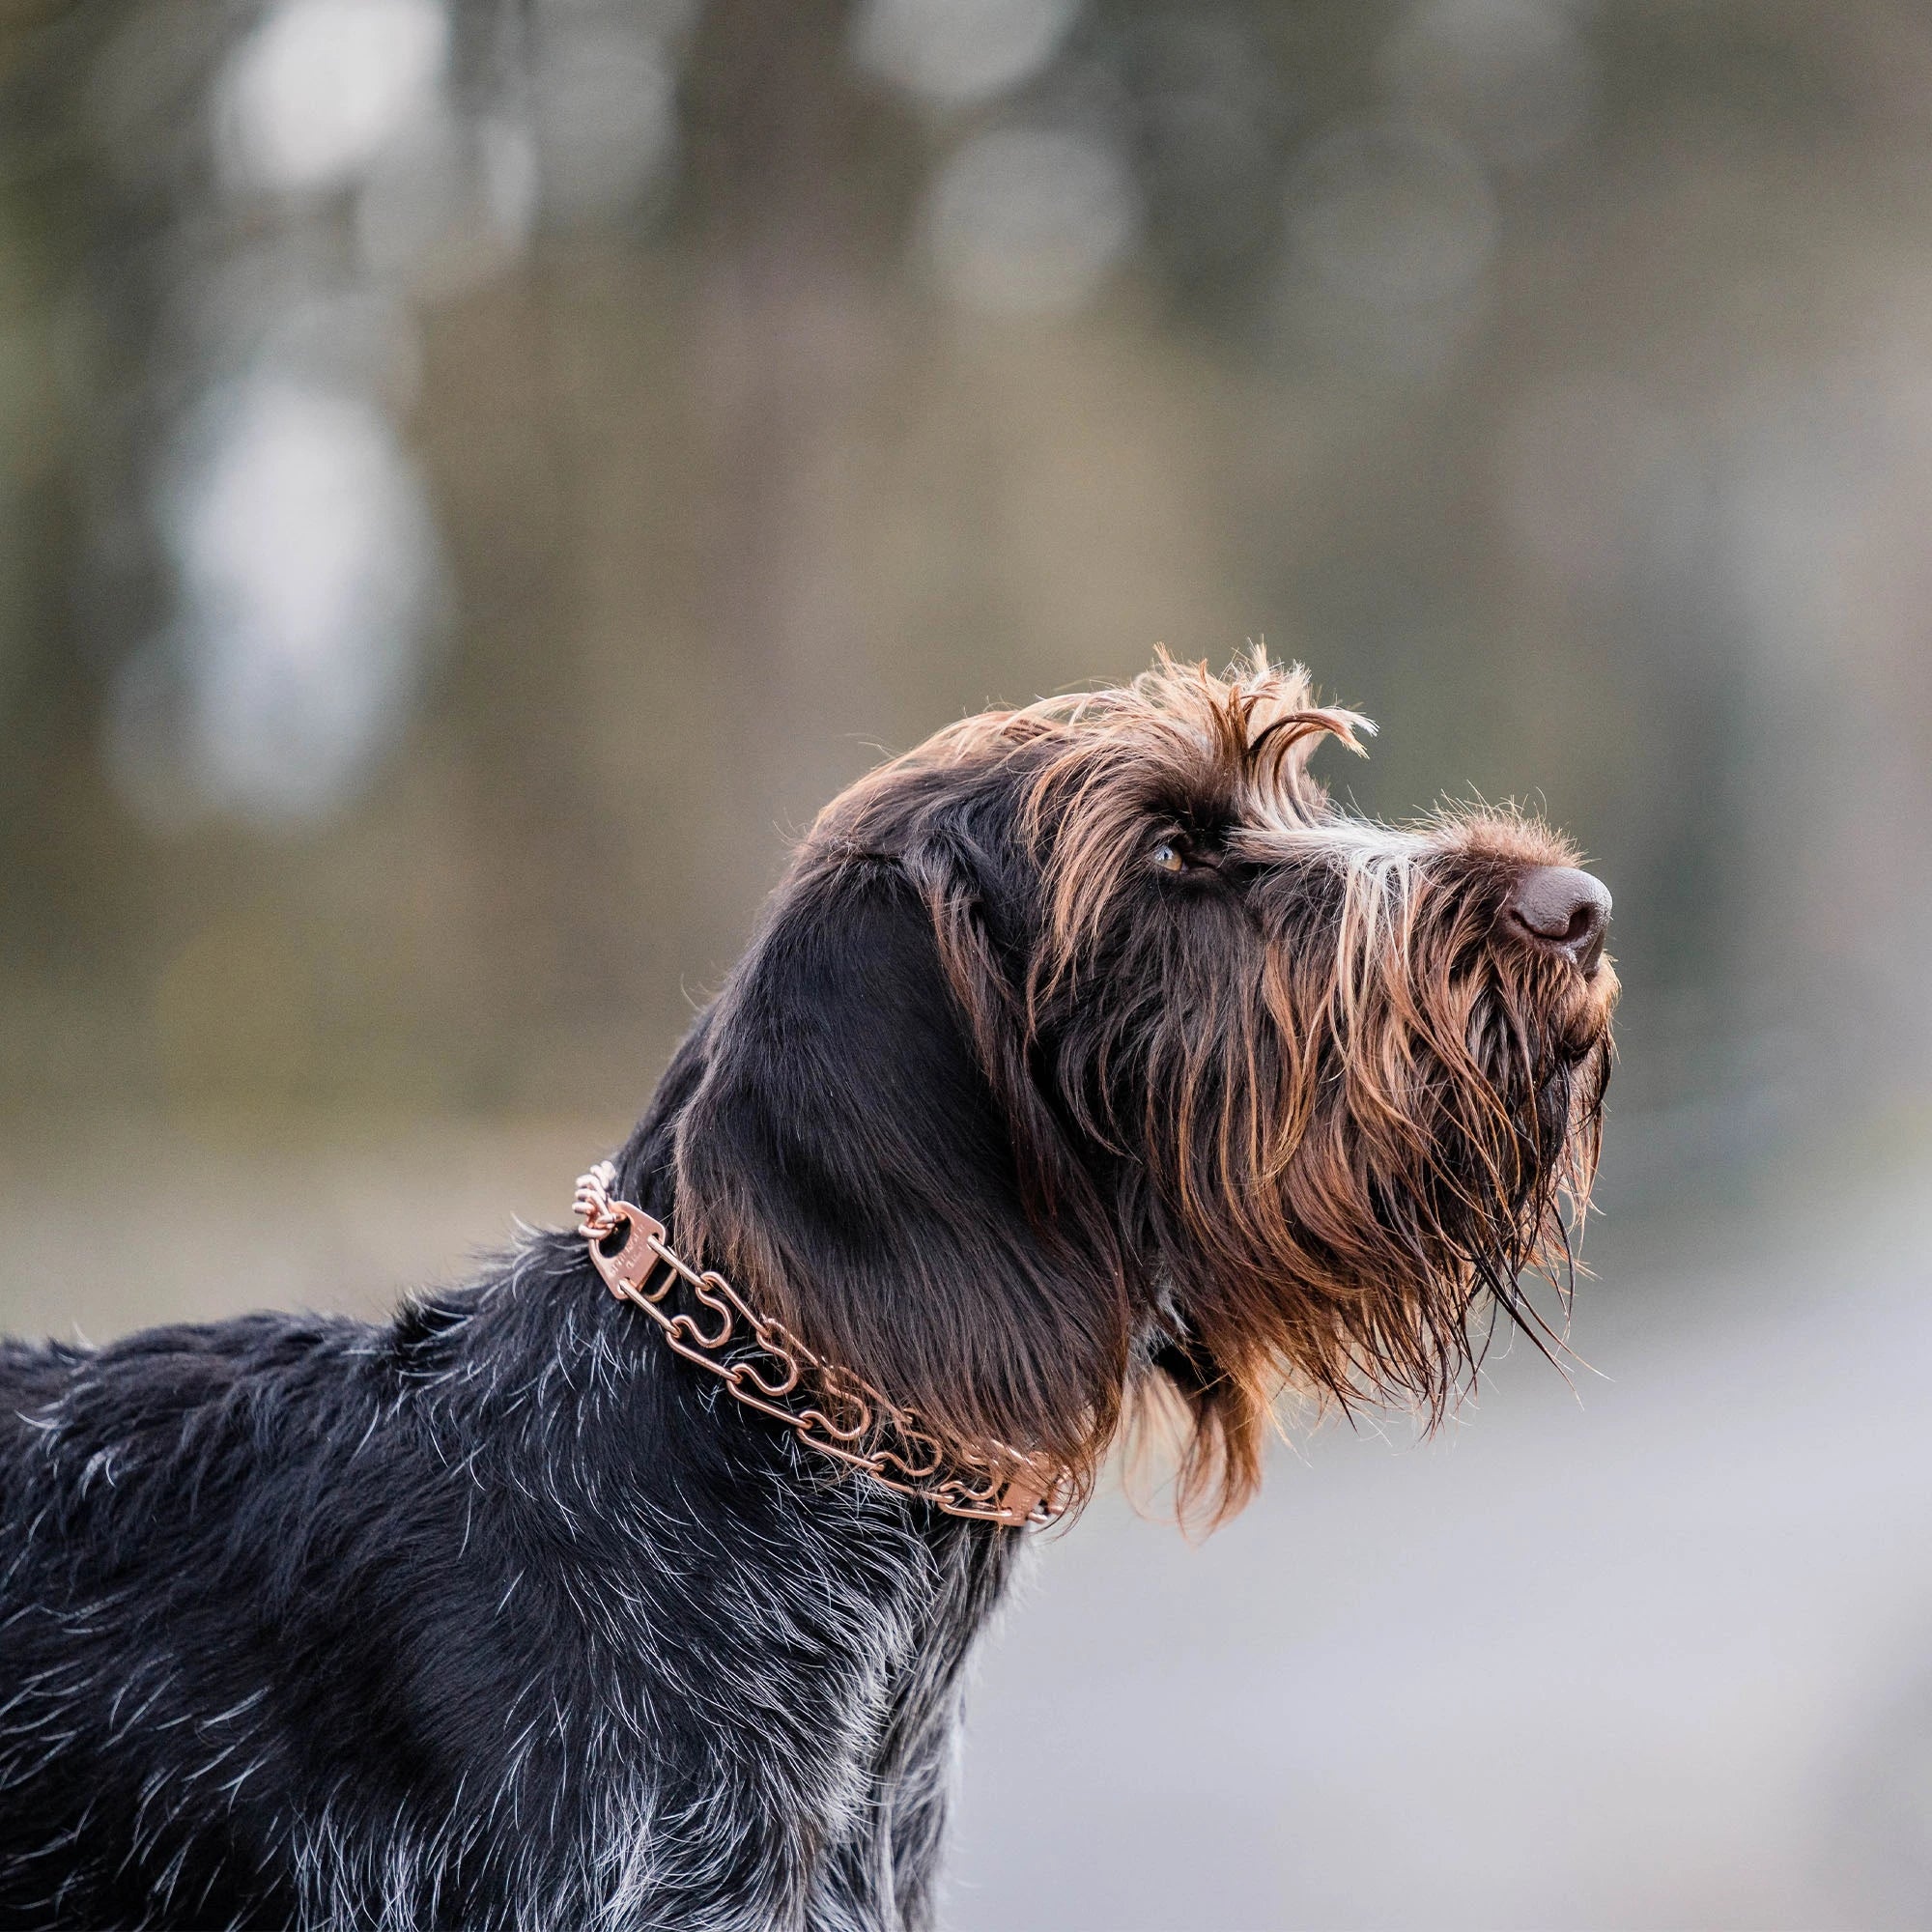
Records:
x=1030, y=220
x=953, y=52
x=309, y=574
x=321, y=87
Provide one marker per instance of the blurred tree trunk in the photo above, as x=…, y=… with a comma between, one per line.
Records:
x=791, y=337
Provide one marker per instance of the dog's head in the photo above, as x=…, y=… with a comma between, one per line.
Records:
x=1090, y=1056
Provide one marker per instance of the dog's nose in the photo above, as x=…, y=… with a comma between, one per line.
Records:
x=1565, y=909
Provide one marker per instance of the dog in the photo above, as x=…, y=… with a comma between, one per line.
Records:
x=1090, y=1075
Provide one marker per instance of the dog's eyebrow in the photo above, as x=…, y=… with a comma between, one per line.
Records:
x=1299, y=725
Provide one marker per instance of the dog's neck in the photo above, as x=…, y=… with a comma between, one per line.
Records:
x=763, y=1364
x=606, y=1371
x=723, y=1616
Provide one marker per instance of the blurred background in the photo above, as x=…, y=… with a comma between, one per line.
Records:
x=475, y=477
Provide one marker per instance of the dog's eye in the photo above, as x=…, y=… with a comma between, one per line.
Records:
x=1167, y=855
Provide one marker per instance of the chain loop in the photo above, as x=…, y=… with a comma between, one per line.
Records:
x=992, y=1482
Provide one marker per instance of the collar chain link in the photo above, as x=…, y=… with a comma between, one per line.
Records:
x=844, y=1417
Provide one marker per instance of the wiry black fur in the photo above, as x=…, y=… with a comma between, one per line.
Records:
x=497, y=1615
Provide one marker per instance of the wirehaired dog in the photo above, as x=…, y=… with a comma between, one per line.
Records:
x=1087, y=1068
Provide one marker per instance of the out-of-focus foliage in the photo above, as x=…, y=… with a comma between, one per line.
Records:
x=473, y=478
x=476, y=474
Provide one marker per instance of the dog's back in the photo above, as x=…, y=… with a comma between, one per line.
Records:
x=259, y=1631
x=447, y=1622
x=174, y=1510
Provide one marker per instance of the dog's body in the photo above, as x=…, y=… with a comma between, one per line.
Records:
x=1047, y=1086
x=494, y=1616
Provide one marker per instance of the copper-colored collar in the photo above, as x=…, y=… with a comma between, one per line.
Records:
x=843, y=1416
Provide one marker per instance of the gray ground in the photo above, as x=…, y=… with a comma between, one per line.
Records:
x=1658, y=1654
x=1654, y=1653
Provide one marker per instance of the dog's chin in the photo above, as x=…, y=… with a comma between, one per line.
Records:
x=1582, y=1021
x=1568, y=1035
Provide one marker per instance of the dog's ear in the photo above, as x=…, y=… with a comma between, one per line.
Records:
x=852, y=1157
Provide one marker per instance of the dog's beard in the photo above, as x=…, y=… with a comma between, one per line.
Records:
x=1354, y=1153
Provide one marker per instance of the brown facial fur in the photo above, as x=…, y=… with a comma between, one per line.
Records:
x=1272, y=1097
